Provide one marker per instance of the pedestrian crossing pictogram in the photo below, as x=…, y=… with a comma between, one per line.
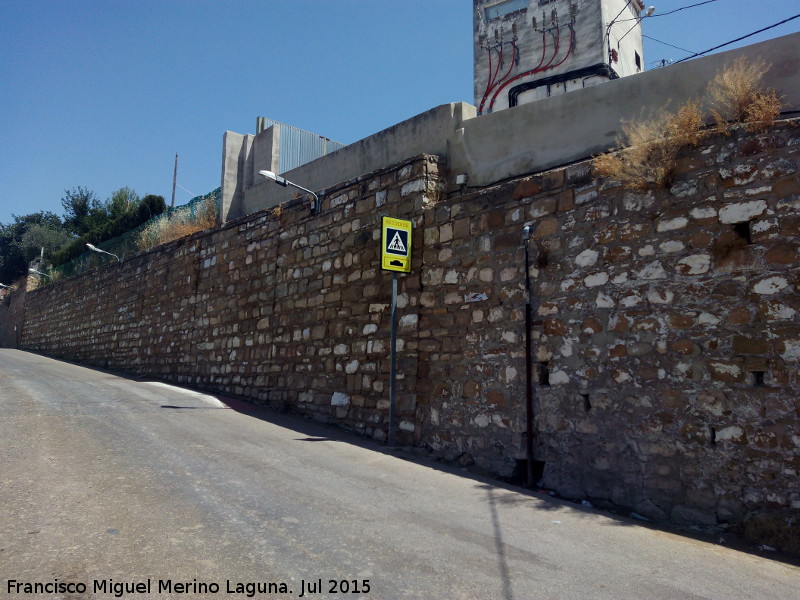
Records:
x=397, y=245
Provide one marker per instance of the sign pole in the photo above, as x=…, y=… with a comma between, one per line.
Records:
x=393, y=361
x=395, y=257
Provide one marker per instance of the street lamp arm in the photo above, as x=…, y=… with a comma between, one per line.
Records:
x=285, y=182
x=96, y=249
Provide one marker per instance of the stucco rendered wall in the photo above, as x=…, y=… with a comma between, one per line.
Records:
x=666, y=332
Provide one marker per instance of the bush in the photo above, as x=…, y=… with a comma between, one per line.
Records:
x=126, y=222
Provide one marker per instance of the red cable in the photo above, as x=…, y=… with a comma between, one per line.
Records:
x=539, y=68
x=492, y=76
x=489, y=81
x=493, y=82
x=536, y=69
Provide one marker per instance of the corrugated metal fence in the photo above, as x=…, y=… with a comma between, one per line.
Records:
x=297, y=147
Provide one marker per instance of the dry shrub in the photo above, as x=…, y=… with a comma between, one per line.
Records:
x=652, y=147
x=737, y=95
x=763, y=111
x=178, y=224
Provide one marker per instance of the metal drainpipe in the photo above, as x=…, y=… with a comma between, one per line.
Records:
x=529, y=389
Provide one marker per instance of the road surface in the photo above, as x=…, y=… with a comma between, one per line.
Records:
x=123, y=488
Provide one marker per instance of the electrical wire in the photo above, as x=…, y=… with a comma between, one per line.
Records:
x=671, y=11
x=666, y=44
x=738, y=39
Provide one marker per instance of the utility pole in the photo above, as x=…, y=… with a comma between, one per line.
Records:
x=175, y=180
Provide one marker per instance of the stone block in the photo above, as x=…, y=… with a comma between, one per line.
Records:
x=553, y=179
x=750, y=345
x=527, y=188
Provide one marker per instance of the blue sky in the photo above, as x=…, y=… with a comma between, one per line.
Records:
x=103, y=93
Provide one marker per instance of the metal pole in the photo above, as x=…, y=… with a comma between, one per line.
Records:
x=528, y=364
x=393, y=360
x=175, y=180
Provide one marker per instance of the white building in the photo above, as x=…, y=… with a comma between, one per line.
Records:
x=525, y=50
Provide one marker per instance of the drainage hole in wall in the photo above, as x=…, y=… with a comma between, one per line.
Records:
x=743, y=231
x=542, y=260
x=758, y=378
x=712, y=434
x=587, y=405
x=544, y=374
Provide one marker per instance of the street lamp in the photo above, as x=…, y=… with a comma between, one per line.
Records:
x=35, y=272
x=649, y=12
x=285, y=182
x=96, y=249
x=3, y=285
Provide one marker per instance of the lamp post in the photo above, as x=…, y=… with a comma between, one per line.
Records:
x=96, y=249
x=650, y=10
x=285, y=182
x=3, y=285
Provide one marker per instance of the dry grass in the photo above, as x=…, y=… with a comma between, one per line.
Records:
x=737, y=95
x=178, y=224
x=651, y=148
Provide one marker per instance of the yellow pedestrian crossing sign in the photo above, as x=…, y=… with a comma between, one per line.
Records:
x=396, y=245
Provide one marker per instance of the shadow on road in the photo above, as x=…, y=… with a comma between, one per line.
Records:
x=502, y=562
x=498, y=493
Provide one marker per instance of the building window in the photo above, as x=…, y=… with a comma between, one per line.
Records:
x=503, y=8
x=638, y=60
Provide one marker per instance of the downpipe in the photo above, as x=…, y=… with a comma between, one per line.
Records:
x=529, y=388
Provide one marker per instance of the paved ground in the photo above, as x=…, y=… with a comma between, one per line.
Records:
x=118, y=481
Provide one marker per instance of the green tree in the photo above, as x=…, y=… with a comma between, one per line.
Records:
x=82, y=211
x=122, y=202
x=47, y=237
x=14, y=251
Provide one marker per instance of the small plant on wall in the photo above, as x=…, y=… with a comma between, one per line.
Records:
x=651, y=146
x=737, y=95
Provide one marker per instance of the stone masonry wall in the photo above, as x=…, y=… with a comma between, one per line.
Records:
x=666, y=332
x=12, y=308
x=667, y=338
x=284, y=306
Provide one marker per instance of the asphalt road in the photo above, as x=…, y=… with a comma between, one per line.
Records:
x=113, y=483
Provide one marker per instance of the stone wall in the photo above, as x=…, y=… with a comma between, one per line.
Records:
x=12, y=317
x=667, y=338
x=666, y=335
x=286, y=307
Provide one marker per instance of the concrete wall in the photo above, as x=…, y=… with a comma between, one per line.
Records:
x=666, y=333
x=528, y=138
x=429, y=133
